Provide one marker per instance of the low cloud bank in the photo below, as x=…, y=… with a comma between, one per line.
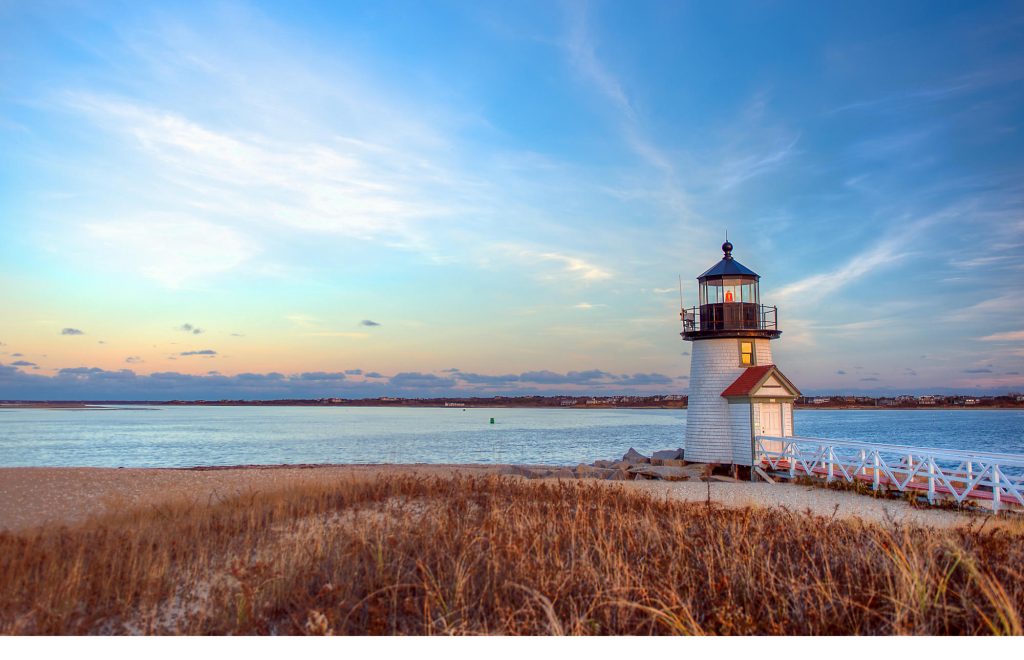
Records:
x=93, y=383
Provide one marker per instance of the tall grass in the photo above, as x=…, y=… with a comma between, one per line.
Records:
x=498, y=555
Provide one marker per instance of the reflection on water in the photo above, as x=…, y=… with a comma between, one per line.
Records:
x=200, y=435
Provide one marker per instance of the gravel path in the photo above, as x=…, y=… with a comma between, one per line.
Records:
x=40, y=496
x=820, y=501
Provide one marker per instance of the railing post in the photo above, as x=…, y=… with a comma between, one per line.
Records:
x=863, y=459
x=831, y=459
x=931, y=480
x=877, y=469
x=996, y=479
x=792, y=460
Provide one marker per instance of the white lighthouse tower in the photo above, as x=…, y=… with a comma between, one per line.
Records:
x=736, y=391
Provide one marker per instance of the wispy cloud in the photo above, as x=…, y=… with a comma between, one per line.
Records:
x=1013, y=335
x=998, y=305
x=343, y=184
x=902, y=99
x=581, y=49
x=734, y=172
x=303, y=320
x=576, y=266
x=368, y=323
x=572, y=266
x=328, y=333
x=816, y=287
x=71, y=331
x=171, y=249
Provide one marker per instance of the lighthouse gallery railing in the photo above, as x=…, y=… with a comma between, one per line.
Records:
x=962, y=475
x=730, y=316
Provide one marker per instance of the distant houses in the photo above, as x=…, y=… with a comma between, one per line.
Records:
x=1012, y=399
x=674, y=401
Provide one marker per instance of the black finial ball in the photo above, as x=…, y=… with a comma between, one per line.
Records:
x=727, y=249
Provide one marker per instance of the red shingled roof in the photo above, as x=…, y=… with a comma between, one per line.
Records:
x=748, y=380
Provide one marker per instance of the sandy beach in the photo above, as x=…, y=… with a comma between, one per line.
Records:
x=31, y=497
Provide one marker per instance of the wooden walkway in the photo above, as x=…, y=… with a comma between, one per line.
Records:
x=983, y=479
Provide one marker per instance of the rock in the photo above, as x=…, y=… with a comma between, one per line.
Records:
x=675, y=463
x=604, y=464
x=667, y=454
x=562, y=473
x=665, y=472
x=590, y=472
x=618, y=475
x=521, y=471
x=697, y=470
x=621, y=465
x=633, y=457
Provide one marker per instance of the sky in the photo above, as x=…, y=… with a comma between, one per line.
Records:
x=235, y=200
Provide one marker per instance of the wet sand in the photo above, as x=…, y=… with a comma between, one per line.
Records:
x=30, y=497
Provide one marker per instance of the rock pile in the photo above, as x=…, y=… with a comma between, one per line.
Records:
x=665, y=465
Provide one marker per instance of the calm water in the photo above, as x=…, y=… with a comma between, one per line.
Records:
x=187, y=436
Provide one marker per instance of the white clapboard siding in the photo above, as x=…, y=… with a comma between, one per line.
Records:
x=742, y=447
x=714, y=365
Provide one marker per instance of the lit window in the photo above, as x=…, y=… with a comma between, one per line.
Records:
x=746, y=353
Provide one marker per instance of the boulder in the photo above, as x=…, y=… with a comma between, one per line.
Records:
x=633, y=457
x=591, y=472
x=618, y=475
x=604, y=464
x=664, y=472
x=667, y=454
x=520, y=471
x=697, y=470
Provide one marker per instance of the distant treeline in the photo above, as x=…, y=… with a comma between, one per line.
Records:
x=1010, y=400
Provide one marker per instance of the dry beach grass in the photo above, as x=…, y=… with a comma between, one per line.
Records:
x=486, y=554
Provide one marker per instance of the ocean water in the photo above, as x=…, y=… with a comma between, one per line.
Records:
x=180, y=436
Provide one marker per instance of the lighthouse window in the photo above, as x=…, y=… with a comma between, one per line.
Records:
x=746, y=353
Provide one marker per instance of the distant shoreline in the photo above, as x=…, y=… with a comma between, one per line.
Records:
x=135, y=405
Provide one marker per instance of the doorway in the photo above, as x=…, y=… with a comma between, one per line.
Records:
x=771, y=419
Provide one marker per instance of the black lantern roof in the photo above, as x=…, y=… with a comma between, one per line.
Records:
x=727, y=267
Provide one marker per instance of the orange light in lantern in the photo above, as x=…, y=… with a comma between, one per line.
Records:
x=728, y=296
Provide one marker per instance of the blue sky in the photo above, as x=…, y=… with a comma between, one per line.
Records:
x=506, y=191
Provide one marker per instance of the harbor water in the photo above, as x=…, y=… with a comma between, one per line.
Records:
x=182, y=436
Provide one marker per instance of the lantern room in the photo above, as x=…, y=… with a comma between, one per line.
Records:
x=729, y=303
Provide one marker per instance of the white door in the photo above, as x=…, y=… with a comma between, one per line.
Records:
x=771, y=419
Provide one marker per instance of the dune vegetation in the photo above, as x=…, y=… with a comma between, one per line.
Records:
x=502, y=555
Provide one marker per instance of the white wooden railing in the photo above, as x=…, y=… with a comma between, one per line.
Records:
x=941, y=473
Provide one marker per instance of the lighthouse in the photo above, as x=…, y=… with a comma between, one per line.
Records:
x=736, y=391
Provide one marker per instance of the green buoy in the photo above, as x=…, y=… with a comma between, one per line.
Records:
x=492, y=420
